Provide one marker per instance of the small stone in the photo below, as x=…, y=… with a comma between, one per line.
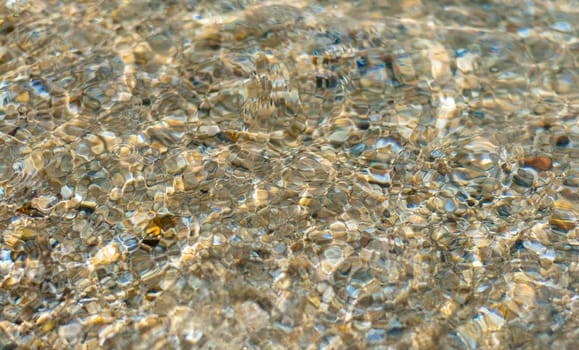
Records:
x=143, y=53
x=27, y=233
x=107, y=255
x=128, y=58
x=116, y=194
x=43, y=203
x=524, y=295
x=260, y=196
x=23, y=97
x=124, y=97
x=562, y=224
x=524, y=177
x=66, y=192
x=562, y=141
x=70, y=331
x=338, y=137
x=338, y=228
x=208, y=130
x=306, y=200
x=88, y=207
x=379, y=175
x=540, y=163
x=252, y=317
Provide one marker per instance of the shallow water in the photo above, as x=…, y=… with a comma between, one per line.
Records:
x=246, y=174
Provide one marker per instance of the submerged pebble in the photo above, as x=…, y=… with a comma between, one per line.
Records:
x=541, y=163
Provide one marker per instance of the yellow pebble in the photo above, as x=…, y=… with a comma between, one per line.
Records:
x=48, y=326
x=155, y=231
x=23, y=97
x=129, y=58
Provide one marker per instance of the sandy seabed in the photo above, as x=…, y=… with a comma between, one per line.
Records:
x=289, y=175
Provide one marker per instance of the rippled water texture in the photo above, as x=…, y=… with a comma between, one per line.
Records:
x=307, y=175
